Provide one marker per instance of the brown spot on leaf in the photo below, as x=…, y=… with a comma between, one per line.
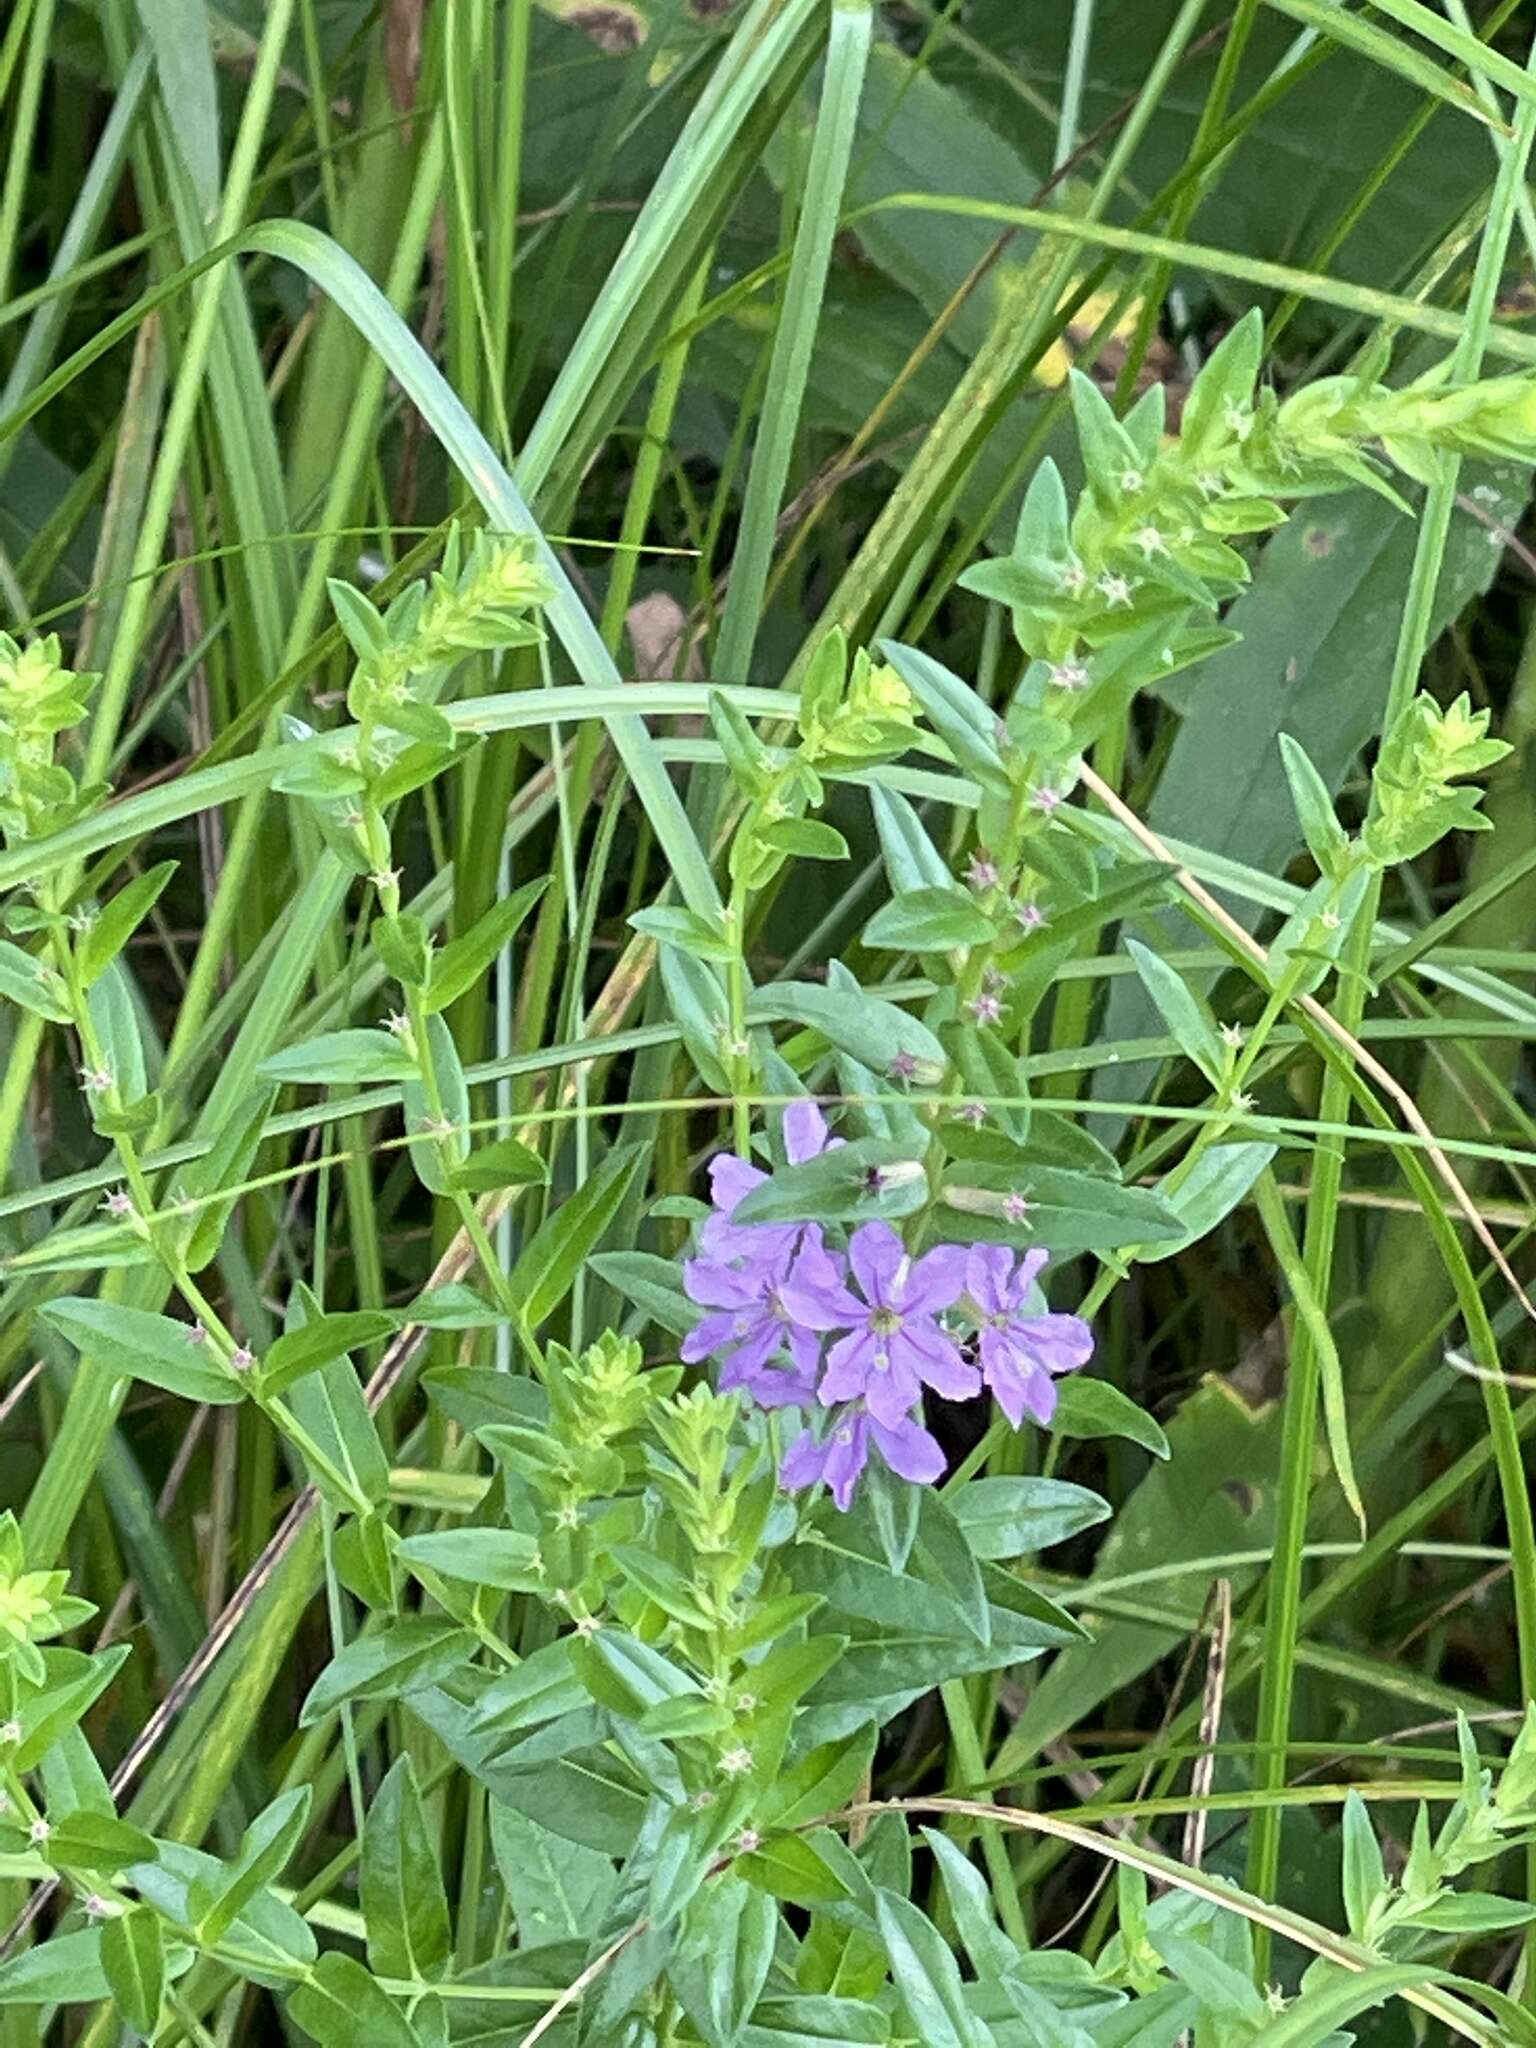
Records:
x=1318, y=542
x=710, y=10
x=611, y=28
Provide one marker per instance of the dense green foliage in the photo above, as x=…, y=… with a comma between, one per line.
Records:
x=766, y=859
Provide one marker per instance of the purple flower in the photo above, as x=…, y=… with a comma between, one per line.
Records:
x=844, y=1451
x=732, y=1179
x=1020, y=1352
x=750, y=1325
x=895, y=1345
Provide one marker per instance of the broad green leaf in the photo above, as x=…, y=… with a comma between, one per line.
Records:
x=928, y=920
x=390, y=1663
x=1087, y=1407
x=133, y=1957
x=504, y=1163
x=318, y=1341
x=870, y=1177
x=1218, y=1181
x=436, y=1155
x=1066, y=1211
x=866, y=1027
x=149, y=1347
x=114, y=925
x=1005, y=1518
x=486, y=1557
x=926, y=1977
x=98, y=1841
x=912, y=861
x=67, y=1970
x=724, y=1957
x=31, y=983
x=341, y=2006
x=970, y=1903
x=821, y=1783
x=556, y=1888
x=652, y=1284
x=1187, y=1023
x=1327, y=841
x=1365, y=1875
x=363, y=1057
x=404, y=1903
x=463, y=961
x=686, y=930
x=547, y=1267
x=264, y=1851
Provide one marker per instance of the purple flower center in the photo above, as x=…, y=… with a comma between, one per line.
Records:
x=885, y=1322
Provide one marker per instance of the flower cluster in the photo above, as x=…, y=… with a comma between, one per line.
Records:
x=863, y=1331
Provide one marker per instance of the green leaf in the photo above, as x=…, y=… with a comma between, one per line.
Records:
x=1223, y=1990
x=264, y=1850
x=547, y=1268
x=1365, y=1875
x=1008, y=1518
x=961, y=719
x=31, y=983
x=557, y=1889
x=436, y=1157
x=1314, y=2019
x=404, y=1903
x=67, y=1970
x=97, y=1841
x=1189, y=1027
x=341, y=2006
x=926, y=1978
x=700, y=937
x=116, y=1022
x=808, y=838
x=1088, y=1407
x=389, y=1663
x=822, y=1782
x=1219, y=1179
x=359, y=620
x=970, y=1903
x=1327, y=841
x=403, y=945
x=651, y=1283
x=486, y=1557
x=1066, y=1212
x=724, y=1958
x=319, y=1341
x=460, y=965
x=504, y=1163
x=112, y=927
x=866, y=1027
x=912, y=861
x=147, y=1347
x=223, y=1167
x=869, y=1177
x=133, y=1957
x=358, y=1056
x=929, y=920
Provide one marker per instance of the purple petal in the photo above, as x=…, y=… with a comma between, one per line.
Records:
x=877, y=1256
x=846, y=1452
x=937, y=1280
x=1028, y=1272
x=802, y=1464
x=891, y=1393
x=768, y=1388
x=708, y=1335
x=936, y=1359
x=805, y=1132
x=909, y=1450
x=850, y=1363
x=730, y=1179
x=987, y=1267
x=1000, y=1369
x=814, y=1295
x=1040, y=1397
x=712, y=1285
x=805, y=1350
x=1054, y=1343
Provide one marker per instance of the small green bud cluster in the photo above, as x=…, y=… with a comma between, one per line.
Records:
x=34, y=1606
x=39, y=699
x=483, y=603
x=1402, y=1917
x=1415, y=802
